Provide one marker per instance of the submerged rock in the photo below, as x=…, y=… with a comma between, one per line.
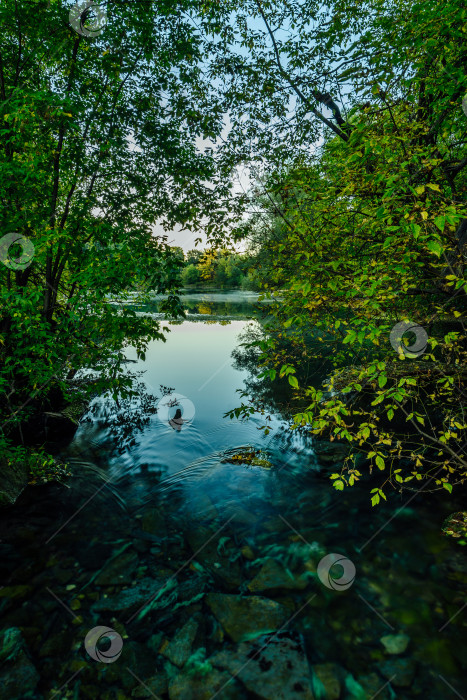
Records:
x=245, y=618
x=274, y=576
x=374, y=686
x=272, y=667
x=57, y=644
x=118, y=570
x=152, y=687
x=395, y=643
x=327, y=681
x=248, y=553
x=240, y=515
x=216, y=559
x=201, y=507
x=400, y=672
x=153, y=522
x=216, y=684
x=132, y=668
x=18, y=676
x=145, y=591
x=178, y=650
x=92, y=556
x=15, y=592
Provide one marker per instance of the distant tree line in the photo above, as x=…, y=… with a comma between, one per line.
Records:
x=218, y=268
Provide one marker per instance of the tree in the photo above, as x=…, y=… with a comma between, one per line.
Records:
x=98, y=143
x=373, y=228
x=192, y=257
x=190, y=275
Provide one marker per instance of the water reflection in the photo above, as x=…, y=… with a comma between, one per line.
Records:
x=199, y=305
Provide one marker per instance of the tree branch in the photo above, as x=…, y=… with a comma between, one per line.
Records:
x=295, y=87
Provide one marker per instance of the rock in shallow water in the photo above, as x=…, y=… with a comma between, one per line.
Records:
x=178, y=650
x=245, y=618
x=18, y=676
x=327, y=679
x=205, y=545
x=118, y=571
x=152, y=687
x=216, y=684
x=272, y=667
x=395, y=643
x=400, y=672
x=153, y=522
x=273, y=576
x=374, y=686
x=145, y=591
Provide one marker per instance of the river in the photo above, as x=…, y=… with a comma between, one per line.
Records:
x=221, y=558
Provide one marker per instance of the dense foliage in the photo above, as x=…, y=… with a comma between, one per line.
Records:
x=98, y=145
x=368, y=229
x=218, y=268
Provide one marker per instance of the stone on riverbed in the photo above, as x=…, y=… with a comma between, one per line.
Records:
x=327, y=680
x=15, y=592
x=178, y=650
x=395, y=643
x=153, y=522
x=374, y=686
x=216, y=684
x=18, y=676
x=145, y=590
x=245, y=618
x=118, y=571
x=216, y=560
x=400, y=672
x=151, y=687
x=272, y=667
x=273, y=576
x=200, y=507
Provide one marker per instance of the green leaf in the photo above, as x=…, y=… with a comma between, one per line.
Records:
x=293, y=381
x=380, y=462
x=416, y=230
x=435, y=247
